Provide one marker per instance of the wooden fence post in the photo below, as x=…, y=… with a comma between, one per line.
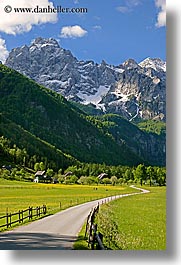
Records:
x=19, y=214
x=22, y=216
x=30, y=213
x=7, y=219
x=94, y=230
x=10, y=219
x=44, y=209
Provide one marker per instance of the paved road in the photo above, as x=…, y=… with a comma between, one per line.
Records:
x=58, y=231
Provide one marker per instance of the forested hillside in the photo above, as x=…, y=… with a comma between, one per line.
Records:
x=47, y=117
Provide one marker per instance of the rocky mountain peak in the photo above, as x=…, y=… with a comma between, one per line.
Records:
x=103, y=62
x=130, y=64
x=155, y=63
x=114, y=89
x=45, y=42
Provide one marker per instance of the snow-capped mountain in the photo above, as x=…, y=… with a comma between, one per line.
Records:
x=156, y=64
x=130, y=89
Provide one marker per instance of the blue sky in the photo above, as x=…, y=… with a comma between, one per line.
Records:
x=111, y=30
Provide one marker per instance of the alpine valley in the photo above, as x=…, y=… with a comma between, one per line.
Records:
x=67, y=111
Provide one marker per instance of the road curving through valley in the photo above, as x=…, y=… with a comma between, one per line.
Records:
x=55, y=232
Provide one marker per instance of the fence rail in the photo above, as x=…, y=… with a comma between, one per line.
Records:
x=95, y=239
x=22, y=215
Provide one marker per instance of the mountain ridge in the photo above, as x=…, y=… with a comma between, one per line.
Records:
x=133, y=90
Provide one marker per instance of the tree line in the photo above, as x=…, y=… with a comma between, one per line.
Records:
x=87, y=173
x=27, y=158
x=82, y=173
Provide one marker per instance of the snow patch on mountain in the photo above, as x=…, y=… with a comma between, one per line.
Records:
x=154, y=63
x=131, y=89
x=94, y=99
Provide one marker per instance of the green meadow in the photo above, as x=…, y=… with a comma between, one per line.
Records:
x=132, y=223
x=16, y=195
x=135, y=222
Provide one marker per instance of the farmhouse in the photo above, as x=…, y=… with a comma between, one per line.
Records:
x=40, y=176
x=7, y=167
x=102, y=175
x=69, y=173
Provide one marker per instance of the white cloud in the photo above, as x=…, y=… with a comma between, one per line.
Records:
x=73, y=32
x=123, y=9
x=132, y=3
x=3, y=50
x=161, y=18
x=128, y=6
x=97, y=18
x=97, y=27
x=16, y=23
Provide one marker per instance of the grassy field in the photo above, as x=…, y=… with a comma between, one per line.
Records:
x=133, y=223
x=15, y=195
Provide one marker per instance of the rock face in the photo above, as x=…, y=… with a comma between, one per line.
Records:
x=130, y=89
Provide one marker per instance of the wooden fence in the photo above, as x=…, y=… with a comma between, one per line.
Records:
x=95, y=239
x=21, y=215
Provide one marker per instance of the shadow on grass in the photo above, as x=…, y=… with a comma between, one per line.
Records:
x=81, y=243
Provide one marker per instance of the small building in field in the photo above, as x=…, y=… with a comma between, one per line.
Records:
x=55, y=181
x=102, y=175
x=7, y=167
x=67, y=174
x=40, y=176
